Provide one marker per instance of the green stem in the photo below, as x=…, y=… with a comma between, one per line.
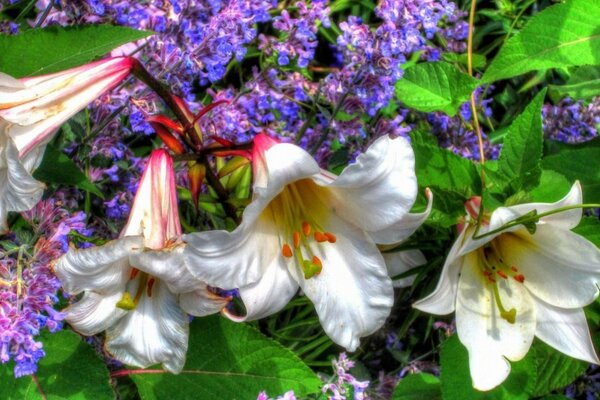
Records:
x=534, y=218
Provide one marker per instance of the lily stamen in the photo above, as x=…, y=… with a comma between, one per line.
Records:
x=508, y=315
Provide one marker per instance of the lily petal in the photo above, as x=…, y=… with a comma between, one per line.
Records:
x=232, y=259
x=156, y=331
x=19, y=190
x=268, y=295
x=564, y=220
x=399, y=262
x=169, y=266
x=97, y=268
x=383, y=175
x=353, y=294
x=556, y=265
x=202, y=302
x=481, y=328
x=407, y=225
x=95, y=312
x=565, y=330
x=443, y=298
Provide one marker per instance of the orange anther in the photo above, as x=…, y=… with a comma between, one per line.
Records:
x=519, y=278
x=306, y=228
x=317, y=261
x=330, y=237
x=133, y=273
x=514, y=269
x=320, y=237
x=296, y=237
x=502, y=274
x=149, y=288
x=286, y=250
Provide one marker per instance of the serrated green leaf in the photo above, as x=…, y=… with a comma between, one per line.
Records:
x=554, y=370
x=577, y=162
x=519, y=161
x=43, y=51
x=457, y=383
x=437, y=167
x=478, y=60
x=435, y=86
x=56, y=167
x=418, y=387
x=584, y=84
x=563, y=35
x=227, y=360
x=71, y=370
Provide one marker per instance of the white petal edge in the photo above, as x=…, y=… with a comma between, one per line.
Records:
x=402, y=229
x=379, y=189
x=268, y=295
x=95, y=312
x=156, y=331
x=202, y=302
x=565, y=330
x=97, y=268
x=399, y=262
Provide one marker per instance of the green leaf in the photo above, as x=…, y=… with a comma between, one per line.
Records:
x=553, y=186
x=456, y=378
x=43, y=51
x=441, y=168
x=584, y=84
x=417, y=387
x=577, y=162
x=56, y=167
x=563, y=35
x=228, y=360
x=519, y=161
x=435, y=87
x=589, y=228
x=71, y=370
x=479, y=60
x=554, y=370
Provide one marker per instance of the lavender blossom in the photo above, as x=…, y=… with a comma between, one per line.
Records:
x=344, y=381
x=571, y=121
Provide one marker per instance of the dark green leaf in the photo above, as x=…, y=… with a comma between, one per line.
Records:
x=584, y=83
x=435, y=87
x=519, y=161
x=227, y=360
x=577, y=162
x=43, y=51
x=71, y=370
x=418, y=387
x=563, y=35
x=456, y=378
x=56, y=167
x=554, y=369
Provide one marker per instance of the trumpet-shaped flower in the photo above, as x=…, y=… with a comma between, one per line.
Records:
x=31, y=111
x=512, y=284
x=311, y=229
x=131, y=293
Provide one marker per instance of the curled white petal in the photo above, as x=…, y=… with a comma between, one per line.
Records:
x=398, y=262
x=156, y=331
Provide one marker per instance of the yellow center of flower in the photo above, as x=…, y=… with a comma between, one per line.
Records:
x=300, y=213
x=145, y=283
x=495, y=269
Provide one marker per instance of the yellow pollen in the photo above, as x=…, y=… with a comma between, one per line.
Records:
x=126, y=303
x=306, y=228
x=286, y=250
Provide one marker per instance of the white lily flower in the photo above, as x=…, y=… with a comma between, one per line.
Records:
x=131, y=293
x=31, y=111
x=311, y=229
x=512, y=285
